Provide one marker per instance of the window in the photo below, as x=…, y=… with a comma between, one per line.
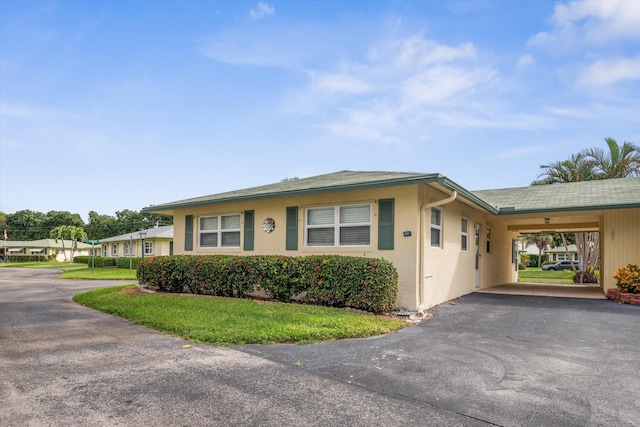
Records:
x=464, y=244
x=148, y=248
x=220, y=231
x=114, y=249
x=126, y=249
x=488, y=240
x=104, y=251
x=339, y=226
x=436, y=227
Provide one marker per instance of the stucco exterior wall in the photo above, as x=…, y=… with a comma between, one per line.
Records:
x=620, y=243
x=450, y=271
x=403, y=256
x=161, y=247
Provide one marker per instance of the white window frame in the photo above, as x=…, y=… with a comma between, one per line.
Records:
x=219, y=231
x=105, y=250
x=464, y=234
x=126, y=249
x=488, y=245
x=436, y=227
x=148, y=248
x=337, y=226
x=114, y=249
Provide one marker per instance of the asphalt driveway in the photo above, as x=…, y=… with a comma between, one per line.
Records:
x=487, y=360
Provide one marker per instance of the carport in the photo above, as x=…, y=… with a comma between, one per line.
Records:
x=610, y=207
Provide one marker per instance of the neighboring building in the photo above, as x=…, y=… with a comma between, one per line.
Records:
x=444, y=240
x=44, y=248
x=158, y=241
x=560, y=253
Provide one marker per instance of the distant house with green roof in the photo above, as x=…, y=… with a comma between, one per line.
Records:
x=158, y=241
x=445, y=240
x=41, y=250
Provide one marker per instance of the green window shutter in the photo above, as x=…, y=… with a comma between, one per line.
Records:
x=249, y=219
x=188, y=233
x=292, y=228
x=385, y=224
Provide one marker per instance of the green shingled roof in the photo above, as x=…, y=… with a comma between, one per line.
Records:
x=586, y=195
x=611, y=193
x=338, y=181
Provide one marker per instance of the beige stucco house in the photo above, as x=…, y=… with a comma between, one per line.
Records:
x=45, y=249
x=445, y=240
x=158, y=241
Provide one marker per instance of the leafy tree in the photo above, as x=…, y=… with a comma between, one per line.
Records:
x=26, y=225
x=69, y=232
x=101, y=226
x=57, y=218
x=620, y=161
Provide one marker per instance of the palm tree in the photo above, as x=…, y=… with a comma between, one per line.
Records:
x=70, y=232
x=620, y=162
x=575, y=168
x=542, y=241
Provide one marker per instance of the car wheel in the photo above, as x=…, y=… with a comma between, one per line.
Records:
x=552, y=268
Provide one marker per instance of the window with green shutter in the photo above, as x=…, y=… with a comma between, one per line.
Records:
x=188, y=233
x=385, y=224
x=249, y=217
x=292, y=228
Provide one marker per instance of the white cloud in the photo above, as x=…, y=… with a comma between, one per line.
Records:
x=605, y=72
x=582, y=22
x=261, y=11
x=419, y=52
x=525, y=61
x=339, y=83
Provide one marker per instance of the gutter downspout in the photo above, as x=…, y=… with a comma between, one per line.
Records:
x=423, y=212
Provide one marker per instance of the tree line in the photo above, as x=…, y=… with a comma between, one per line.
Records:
x=32, y=225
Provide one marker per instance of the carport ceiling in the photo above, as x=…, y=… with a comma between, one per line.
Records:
x=547, y=223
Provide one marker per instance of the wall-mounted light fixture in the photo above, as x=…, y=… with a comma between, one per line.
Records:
x=547, y=220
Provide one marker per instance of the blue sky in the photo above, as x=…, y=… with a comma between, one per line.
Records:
x=112, y=105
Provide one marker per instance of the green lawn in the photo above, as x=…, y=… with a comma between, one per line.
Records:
x=78, y=271
x=538, y=275
x=42, y=264
x=230, y=321
x=102, y=273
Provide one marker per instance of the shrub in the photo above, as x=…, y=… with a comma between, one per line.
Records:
x=82, y=259
x=521, y=266
x=128, y=262
x=104, y=262
x=337, y=281
x=628, y=278
x=27, y=258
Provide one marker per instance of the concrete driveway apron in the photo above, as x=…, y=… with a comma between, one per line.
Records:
x=487, y=360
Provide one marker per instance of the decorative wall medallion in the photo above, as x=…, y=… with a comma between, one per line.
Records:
x=268, y=225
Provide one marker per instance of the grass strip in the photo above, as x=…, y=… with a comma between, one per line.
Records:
x=231, y=321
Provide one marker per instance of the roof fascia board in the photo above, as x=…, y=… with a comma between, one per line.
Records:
x=569, y=209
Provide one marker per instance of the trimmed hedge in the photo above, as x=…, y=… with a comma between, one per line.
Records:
x=368, y=284
x=121, y=262
x=28, y=258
